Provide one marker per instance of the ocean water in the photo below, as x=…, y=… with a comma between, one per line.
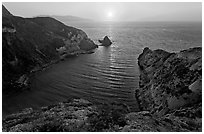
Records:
x=110, y=74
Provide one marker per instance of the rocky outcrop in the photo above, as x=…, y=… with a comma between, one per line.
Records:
x=65, y=116
x=105, y=42
x=170, y=80
x=186, y=119
x=30, y=43
x=170, y=89
x=75, y=115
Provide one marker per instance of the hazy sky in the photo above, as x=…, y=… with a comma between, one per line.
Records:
x=135, y=11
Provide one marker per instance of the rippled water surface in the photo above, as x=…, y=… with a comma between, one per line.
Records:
x=111, y=73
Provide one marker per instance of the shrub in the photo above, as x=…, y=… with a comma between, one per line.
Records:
x=108, y=118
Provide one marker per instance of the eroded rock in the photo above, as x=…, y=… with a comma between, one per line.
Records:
x=65, y=116
x=69, y=116
x=165, y=78
x=106, y=41
x=170, y=86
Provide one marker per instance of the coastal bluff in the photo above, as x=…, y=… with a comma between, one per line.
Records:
x=170, y=91
x=32, y=44
x=169, y=81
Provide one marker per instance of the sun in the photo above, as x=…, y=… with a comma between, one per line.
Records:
x=110, y=14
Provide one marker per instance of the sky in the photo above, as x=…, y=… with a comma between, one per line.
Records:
x=127, y=11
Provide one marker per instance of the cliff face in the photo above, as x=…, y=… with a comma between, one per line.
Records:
x=30, y=43
x=169, y=80
x=170, y=93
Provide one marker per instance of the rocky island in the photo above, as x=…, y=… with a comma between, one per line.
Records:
x=105, y=42
x=169, y=96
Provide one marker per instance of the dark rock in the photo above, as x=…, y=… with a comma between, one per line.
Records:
x=170, y=88
x=165, y=78
x=5, y=12
x=87, y=45
x=105, y=42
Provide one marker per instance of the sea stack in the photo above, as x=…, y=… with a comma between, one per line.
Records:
x=106, y=41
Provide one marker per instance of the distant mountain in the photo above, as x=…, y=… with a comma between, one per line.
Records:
x=29, y=44
x=68, y=18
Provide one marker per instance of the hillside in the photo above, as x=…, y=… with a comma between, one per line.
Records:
x=67, y=19
x=29, y=44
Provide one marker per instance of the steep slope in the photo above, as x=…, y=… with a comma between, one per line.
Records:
x=170, y=93
x=67, y=19
x=170, y=80
x=31, y=43
x=5, y=12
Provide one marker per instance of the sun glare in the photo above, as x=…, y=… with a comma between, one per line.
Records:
x=110, y=14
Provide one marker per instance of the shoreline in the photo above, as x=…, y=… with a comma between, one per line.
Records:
x=25, y=81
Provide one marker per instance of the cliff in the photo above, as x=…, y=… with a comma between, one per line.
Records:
x=169, y=93
x=169, y=81
x=29, y=44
